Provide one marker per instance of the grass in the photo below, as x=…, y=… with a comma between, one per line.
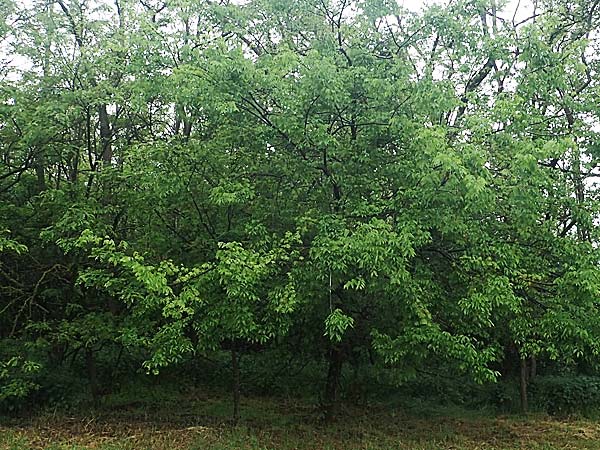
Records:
x=197, y=420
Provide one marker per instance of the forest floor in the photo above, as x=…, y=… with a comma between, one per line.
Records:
x=200, y=422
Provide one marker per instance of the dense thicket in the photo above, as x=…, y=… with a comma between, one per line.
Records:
x=337, y=184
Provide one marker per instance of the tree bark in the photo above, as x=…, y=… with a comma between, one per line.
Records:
x=90, y=361
x=532, y=368
x=40, y=172
x=332, y=386
x=235, y=371
x=523, y=386
x=187, y=128
x=105, y=135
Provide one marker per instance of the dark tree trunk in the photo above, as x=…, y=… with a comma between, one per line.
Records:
x=113, y=305
x=105, y=135
x=40, y=173
x=187, y=128
x=533, y=368
x=235, y=371
x=90, y=361
x=523, y=385
x=115, y=368
x=74, y=169
x=332, y=386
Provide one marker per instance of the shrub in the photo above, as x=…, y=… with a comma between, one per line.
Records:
x=17, y=381
x=565, y=395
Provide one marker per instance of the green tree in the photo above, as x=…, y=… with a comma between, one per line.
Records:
x=194, y=176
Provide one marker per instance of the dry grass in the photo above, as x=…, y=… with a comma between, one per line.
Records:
x=201, y=423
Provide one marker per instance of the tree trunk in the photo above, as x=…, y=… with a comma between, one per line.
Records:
x=187, y=128
x=105, y=135
x=523, y=385
x=177, y=124
x=235, y=371
x=90, y=361
x=332, y=386
x=40, y=172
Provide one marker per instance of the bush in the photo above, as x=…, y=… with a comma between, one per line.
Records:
x=565, y=395
x=17, y=381
x=21, y=366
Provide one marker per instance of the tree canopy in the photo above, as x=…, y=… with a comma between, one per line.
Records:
x=348, y=180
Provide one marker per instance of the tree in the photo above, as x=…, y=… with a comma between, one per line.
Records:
x=412, y=187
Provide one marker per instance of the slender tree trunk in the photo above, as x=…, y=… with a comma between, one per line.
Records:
x=235, y=371
x=332, y=386
x=105, y=135
x=523, y=386
x=187, y=128
x=115, y=368
x=90, y=360
x=532, y=368
x=177, y=124
x=40, y=173
x=74, y=172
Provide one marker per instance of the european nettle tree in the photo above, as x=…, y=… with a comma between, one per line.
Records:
x=244, y=297
x=383, y=180
x=416, y=186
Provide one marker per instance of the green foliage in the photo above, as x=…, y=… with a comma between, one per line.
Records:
x=10, y=245
x=370, y=185
x=19, y=375
x=568, y=394
x=336, y=324
x=16, y=380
